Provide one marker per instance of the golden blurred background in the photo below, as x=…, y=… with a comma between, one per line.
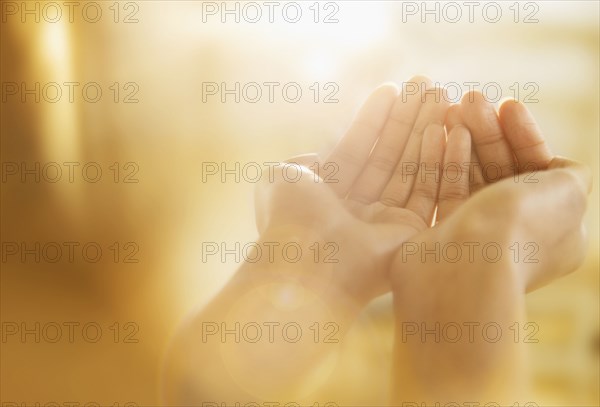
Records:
x=150, y=210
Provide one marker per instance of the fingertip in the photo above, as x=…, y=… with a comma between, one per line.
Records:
x=382, y=96
x=417, y=85
x=388, y=89
x=420, y=79
x=444, y=94
x=508, y=100
x=512, y=107
x=436, y=96
x=473, y=97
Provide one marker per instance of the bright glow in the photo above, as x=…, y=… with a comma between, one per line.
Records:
x=60, y=119
x=361, y=26
x=56, y=43
x=349, y=26
x=320, y=66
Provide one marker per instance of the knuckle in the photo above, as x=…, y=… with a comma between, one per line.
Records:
x=454, y=192
x=390, y=200
x=382, y=162
x=423, y=190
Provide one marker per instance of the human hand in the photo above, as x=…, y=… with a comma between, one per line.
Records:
x=381, y=196
x=468, y=292
x=508, y=145
x=440, y=281
x=366, y=216
x=502, y=144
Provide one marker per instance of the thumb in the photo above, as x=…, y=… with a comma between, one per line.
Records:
x=297, y=196
x=305, y=160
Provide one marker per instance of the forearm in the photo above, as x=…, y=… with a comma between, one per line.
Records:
x=451, y=353
x=453, y=340
x=276, y=323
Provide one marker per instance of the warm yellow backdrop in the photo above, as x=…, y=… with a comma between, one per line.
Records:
x=167, y=55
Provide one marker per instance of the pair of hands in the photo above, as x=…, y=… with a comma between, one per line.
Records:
x=481, y=177
x=406, y=155
x=406, y=163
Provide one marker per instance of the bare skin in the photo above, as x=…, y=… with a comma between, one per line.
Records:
x=351, y=215
x=479, y=291
x=545, y=208
x=385, y=197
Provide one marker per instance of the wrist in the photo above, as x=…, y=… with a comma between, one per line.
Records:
x=298, y=265
x=465, y=244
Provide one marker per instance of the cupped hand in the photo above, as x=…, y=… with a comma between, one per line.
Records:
x=501, y=145
x=383, y=191
x=449, y=289
x=509, y=147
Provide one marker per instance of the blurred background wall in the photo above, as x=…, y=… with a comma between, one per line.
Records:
x=158, y=210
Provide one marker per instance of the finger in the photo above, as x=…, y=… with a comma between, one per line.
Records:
x=424, y=195
x=312, y=161
x=433, y=110
x=524, y=137
x=280, y=203
x=391, y=144
x=352, y=152
x=492, y=148
x=453, y=118
x=454, y=186
x=476, y=180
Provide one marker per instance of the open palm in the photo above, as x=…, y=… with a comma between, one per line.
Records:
x=384, y=191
